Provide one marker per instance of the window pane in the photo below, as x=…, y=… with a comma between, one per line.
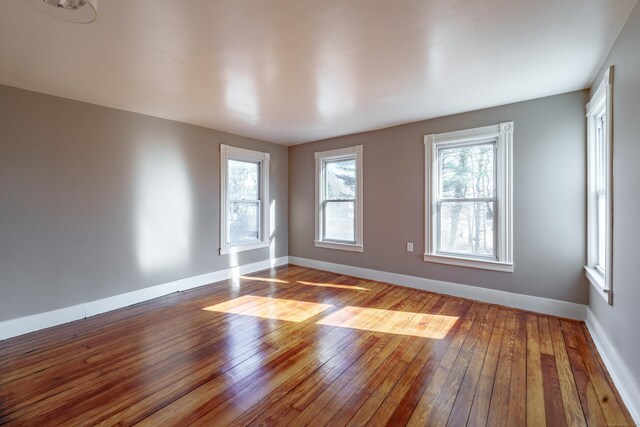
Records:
x=243, y=180
x=467, y=227
x=340, y=179
x=467, y=172
x=339, y=221
x=601, y=155
x=602, y=203
x=243, y=221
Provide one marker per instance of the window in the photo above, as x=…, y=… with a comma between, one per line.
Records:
x=599, y=200
x=468, y=198
x=339, y=199
x=244, y=210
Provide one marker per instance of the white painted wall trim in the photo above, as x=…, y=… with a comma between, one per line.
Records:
x=23, y=325
x=629, y=390
x=620, y=374
x=502, y=136
x=234, y=153
x=509, y=299
x=320, y=158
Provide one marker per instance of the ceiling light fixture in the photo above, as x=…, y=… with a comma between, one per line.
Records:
x=78, y=11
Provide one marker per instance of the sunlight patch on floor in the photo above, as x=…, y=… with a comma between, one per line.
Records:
x=391, y=321
x=270, y=308
x=421, y=325
x=306, y=283
x=332, y=285
x=263, y=279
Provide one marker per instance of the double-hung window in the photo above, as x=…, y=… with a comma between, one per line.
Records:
x=599, y=149
x=244, y=210
x=468, y=195
x=339, y=199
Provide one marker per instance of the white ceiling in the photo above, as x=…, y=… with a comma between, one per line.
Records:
x=292, y=71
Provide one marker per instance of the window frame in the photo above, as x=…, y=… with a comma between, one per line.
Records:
x=502, y=136
x=321, y=158
x=600, y=109
x=262, y=159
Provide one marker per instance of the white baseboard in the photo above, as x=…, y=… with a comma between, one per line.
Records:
x=23, y=325
x=509, y=299
x=628, y=389
x=622, y=378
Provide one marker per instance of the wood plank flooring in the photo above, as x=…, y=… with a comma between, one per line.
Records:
x=296, y=346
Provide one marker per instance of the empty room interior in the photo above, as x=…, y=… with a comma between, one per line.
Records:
x=305, y=212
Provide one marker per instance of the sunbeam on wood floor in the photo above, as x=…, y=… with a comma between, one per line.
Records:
x=272, y=350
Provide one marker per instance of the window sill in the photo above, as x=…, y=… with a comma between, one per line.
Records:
x=340, y=246
x=470, y=262
x=243, y=247
x=597, y=281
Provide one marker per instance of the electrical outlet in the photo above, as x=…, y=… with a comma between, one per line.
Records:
x=409, y=247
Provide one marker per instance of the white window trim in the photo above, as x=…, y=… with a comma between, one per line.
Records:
x=233, y=153
x=502, y=134
x=320, y=157
x=600, y=102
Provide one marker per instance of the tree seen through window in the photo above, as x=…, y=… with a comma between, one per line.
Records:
x=467, y=199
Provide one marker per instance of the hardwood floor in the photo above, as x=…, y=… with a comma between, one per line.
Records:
x=298, y=346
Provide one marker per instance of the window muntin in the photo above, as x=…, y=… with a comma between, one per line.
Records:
x=339, y=199
x=244, y=199
x=600, y=204
x=468, y=199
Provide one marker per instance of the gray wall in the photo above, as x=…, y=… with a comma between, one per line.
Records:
x=621, y=320
x=549, y=199
x=95, y=201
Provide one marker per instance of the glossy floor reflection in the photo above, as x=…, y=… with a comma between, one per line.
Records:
x=332, y=285
x=270, y=308
x=270, y=349
x=368, y=319
x=391, y=322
